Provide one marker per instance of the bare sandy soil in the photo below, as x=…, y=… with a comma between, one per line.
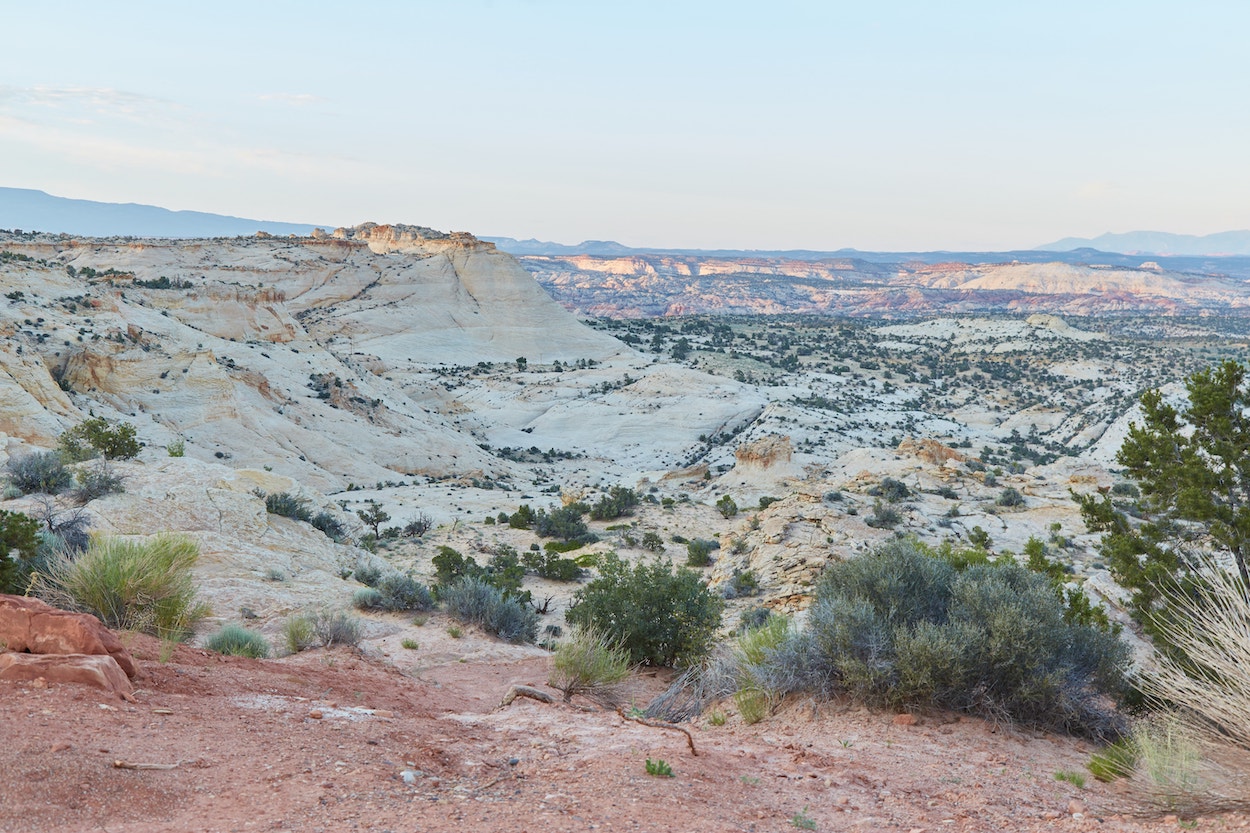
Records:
x=333, y=740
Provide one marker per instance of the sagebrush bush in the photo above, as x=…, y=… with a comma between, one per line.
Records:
x=903, y=627
x=391, y=591
x=587, y=662
x=367, y=598
x=39, y=472
x=661, y=616
x=96, y=481
x=129, y=584
x=335, y=627
x=238, y=641
x=477, y=602
x=402, y=592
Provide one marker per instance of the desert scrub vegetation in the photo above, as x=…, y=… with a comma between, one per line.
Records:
x=586, y=662
x=95, y=481
x=98, y=437
x=321, y=628
x=238, y=641
x=475, y=601
x=287, y=505
x=658, y=614
x=504, y=571
x=390, y=590
x=39, y=472
x=19, y=543
x=129, y=584
x=905, y=626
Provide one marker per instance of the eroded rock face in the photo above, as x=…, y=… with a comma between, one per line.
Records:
x=33, y=627
x=98, y=670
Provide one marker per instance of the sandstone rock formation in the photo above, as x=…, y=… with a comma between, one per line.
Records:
x=98, y=670
x=31, y=626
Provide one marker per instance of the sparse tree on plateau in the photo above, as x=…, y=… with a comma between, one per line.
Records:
x=373, y=517
x=1193, y=469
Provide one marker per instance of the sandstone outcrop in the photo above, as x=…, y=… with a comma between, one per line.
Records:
x=30, y=626
x=765, y=452
x=98, y=670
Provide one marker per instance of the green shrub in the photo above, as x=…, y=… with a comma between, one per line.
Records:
x=661, y=616
x=766, y=502
x=40, y=472
x=1010, y=496
x=97, y=437
x=328, y=524
x=238, y=641
x=367, y=573
x=699, y=552
x=902, y=627
x=727, y=507
x=177, y=448
x=652, y=542
x=618, y=503
x=477, y=602
x=743, y=583
x=19, y=541
x=522, y=518
x=401, y=592
x=659, y=768
x=97, y=481
x=753, y=704
x=565, y=523
x=549, y=565
x=883, y=516
x=892, y=490
x=130, y=585
x=979, y=538
x=288, y=506
x=586, y=662
x=504, y=571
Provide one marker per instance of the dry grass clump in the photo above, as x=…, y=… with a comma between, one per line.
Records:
x=1195, y=758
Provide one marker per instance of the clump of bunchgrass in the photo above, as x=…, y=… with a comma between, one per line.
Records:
x=238, y=641
x=586, y=662
x=129, y=584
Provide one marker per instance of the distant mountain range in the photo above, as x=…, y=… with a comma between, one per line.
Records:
x=1159, y=243
x=29, y=210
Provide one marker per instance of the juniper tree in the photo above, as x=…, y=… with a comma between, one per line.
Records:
x=1192, y=466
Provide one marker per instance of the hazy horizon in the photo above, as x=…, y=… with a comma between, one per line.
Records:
x=900, y=127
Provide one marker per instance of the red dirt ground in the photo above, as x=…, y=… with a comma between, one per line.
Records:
x=320, y=741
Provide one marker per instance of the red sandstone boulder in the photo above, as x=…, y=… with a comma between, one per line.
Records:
x=30, y=626
x=99, y=670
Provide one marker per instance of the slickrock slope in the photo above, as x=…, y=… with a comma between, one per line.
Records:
x=328, y=357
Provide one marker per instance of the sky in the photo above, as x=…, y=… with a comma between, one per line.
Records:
x=883, y=125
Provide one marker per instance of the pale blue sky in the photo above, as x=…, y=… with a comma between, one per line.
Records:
x=875, y=125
